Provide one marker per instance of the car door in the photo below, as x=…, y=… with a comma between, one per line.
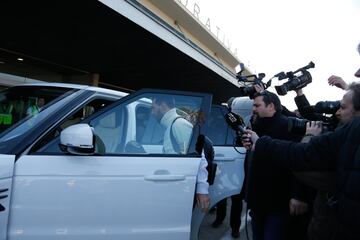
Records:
x=229, y=159
x=129, y=189
x=6, y=174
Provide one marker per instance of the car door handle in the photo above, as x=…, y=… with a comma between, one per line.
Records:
x=161, y=178
x=4, y=190
x=224, y=159
x=2, y=208
x=3, y=196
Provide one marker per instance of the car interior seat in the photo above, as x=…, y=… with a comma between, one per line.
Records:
x=109, y=132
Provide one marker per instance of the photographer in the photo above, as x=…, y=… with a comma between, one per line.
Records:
x=284, y=111
x=338, y=150
x=272, y=195
x=323, y=219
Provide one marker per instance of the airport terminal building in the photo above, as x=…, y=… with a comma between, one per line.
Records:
x=119, y=44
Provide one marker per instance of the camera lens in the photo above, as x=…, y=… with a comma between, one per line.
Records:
x=297, y=125
x=328, y=107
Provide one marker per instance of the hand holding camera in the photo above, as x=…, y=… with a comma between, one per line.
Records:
x=313, y=128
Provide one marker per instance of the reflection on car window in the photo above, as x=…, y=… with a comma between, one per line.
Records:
x=217, y=127
x=21, y=103
x=49, y=143
x=150, y=123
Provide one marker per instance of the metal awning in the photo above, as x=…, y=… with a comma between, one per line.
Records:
x=122, y=41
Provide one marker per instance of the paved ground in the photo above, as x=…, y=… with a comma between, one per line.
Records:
x=223, y=232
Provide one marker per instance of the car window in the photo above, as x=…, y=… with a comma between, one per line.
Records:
x=50, y=142
x=230, y=137
x=149, y=124
x=24, y=103
x=217, y=129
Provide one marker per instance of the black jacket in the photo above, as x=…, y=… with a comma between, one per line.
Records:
x=303, y=106
x=337, y=151
x=270, y=187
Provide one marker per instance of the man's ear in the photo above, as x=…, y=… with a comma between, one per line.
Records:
x=272, y=106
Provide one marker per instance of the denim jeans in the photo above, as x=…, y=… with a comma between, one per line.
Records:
x=269, y=225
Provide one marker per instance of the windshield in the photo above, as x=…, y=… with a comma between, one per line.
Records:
x=21, y=103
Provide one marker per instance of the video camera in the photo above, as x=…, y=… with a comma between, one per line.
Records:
x=249, y=81
x=297, y=80
x=323, y=111
x=327, y=107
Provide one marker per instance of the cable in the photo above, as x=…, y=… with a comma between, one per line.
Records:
x=234, y=145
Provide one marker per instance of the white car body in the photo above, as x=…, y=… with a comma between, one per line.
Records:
x=116, y=194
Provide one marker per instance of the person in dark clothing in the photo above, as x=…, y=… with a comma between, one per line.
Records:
x=323, y=221
x=338, y=151
x=304, y=106
x=271, y=191
x=235, y=214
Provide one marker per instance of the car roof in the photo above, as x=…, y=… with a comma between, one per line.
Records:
x=76, y=86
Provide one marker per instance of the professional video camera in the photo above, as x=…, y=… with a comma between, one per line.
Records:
x=248, y=82
x=297, y=80
x=327, y=107
x=323, y=111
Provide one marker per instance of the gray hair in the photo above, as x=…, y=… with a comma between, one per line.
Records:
x=355, y=88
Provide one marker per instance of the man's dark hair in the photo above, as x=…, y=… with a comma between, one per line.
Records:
x=269, y=97
x=169, y=101
x=355, y=88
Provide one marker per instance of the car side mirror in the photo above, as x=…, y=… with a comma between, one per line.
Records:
x=77, y=139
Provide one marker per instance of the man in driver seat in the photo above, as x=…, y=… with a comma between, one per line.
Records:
x=177, y=137
x=178, y=130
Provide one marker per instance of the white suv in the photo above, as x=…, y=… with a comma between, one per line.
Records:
x=118, y=186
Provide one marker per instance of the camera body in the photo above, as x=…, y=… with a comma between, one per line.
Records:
x=327, y=107
x=297, y=126
x=297, y=80
x=249, y=83
x=323, y=111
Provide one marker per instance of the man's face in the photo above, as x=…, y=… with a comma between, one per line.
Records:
x=346, y=111
x=156, y=110
x=260, y=110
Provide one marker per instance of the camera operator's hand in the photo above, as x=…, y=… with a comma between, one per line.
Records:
x=259, y=87
x=297, y=207
x=249, y=139
x=313, y=128
x=338, y=82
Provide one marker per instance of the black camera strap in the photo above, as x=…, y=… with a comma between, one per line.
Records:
x=173, y=140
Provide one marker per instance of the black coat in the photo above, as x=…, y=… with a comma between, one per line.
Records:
x=337, y=151
x=270, y=187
